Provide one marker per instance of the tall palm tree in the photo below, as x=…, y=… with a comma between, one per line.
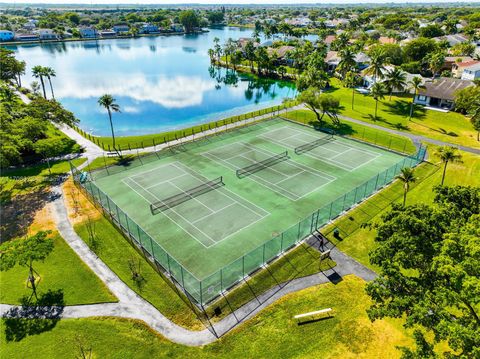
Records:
x=448, y=154
x=49, y=73
x=350, y=80
x=378, y=61
x=38, y=73
x=377, y=91
x=347, y=61
x=395, y=79
x=407, y=176
x=108, y=102
x=415, y=84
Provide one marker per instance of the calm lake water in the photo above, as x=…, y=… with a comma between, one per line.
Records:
x=161, y=83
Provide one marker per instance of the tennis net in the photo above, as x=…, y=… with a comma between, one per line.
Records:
x=187, y=195
x=260, y=165
x=311, y=145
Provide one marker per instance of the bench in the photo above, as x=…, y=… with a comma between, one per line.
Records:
x=311, y=314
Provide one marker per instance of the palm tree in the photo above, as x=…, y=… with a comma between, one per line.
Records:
x=350, y=81
x=415, y=84
x=395, y=79
x=406, y=176
x=347, y=61
x=49, y=73
x=377, y=91
x=108, y=102
x=448, y=154
x=377, y=64
x=38, y=72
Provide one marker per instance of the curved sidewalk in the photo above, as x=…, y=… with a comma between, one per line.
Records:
x=131, y=305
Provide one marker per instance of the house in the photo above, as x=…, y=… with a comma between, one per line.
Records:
x=368, y=80
x=458, y=67
x=88, y=32
x=176, y=27
x=452, y=39
x=27, y=37
x=281, y=54
x=451, y=61
x=30, y=25
x=441, y=92
x=149, y=29
x=46, y=34
x=471, y=72
x=362, y=60
x=121, y=28
x=387, y=40
x=107, y=33
x=329, y=39
x=6, y=35
x=332, y=59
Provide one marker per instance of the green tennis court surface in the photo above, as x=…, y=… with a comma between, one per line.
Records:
x=207, y=227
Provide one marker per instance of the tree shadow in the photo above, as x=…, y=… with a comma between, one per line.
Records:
x=34, y=318
x=402, y=108
x=18, y=212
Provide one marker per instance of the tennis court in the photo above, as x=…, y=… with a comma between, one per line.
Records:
x=216, y=209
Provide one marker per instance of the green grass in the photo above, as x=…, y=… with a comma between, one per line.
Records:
x=449, y=127
x=358, y=242
x=62, y=270
x=116, y=251
x=57, y=168
x=271, y=334
x=142, y=141
x=357, y=131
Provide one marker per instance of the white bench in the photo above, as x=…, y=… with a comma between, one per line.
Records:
x=311, y=314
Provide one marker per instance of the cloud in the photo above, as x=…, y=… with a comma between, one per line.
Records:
x=169, y=92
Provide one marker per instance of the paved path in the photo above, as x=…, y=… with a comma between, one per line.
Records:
x=131, y=305
x=415, y=138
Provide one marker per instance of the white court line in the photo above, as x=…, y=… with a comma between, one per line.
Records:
x=163, y=182
x=194, y=198
x=364, y=163
x=197, y=175
x=153, y=169
x=213, y=212
x=178, y=214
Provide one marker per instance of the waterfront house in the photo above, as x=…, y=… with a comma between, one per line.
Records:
x=46, y=34
x=107, y=33
x=30, y=25
x=440, y=93
x=281, y=55
x=176, y=27
x=121, y=28
x=471, y=72
x=88, y=32
x=27, y=37
x=149, y=29
x=6, y=35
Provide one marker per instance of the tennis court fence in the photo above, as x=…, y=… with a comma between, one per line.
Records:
x=204, y=290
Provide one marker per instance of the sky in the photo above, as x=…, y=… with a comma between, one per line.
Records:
x=220, y=2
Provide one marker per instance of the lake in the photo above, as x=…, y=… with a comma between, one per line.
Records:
x=161, y=83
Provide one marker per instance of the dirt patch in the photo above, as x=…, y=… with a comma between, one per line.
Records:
x=79, y=208
x=43, y=220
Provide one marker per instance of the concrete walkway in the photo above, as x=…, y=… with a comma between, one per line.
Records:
x=131, y=305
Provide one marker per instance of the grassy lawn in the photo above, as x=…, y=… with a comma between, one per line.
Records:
x=354, y=130
x=358, y=242
x=62, y=270
x=57, y=168
x=450, y=127
x=272, y=333
x=142, y=141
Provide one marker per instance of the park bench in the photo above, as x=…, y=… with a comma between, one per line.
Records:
x=313, y=314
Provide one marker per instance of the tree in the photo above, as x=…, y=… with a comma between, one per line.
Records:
x=189, y=20
x=250, y=53
x=377, y=91
x=395, y=79
x=108, y=102
x=48, y=148
x=38, y=72
x=436, y=62
x=467, y=101
x=406, y=176
x=49, y=73
x=347, y=62
x=351, y=80
x=377, y=64
x=310, y=97
x=312, y=77
x=25, y=252
x=448, y=154
x=326, y=103
x=430, y=31
x=429, y=274
x=416, y=84
x=10, y=68
x=418, y=49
